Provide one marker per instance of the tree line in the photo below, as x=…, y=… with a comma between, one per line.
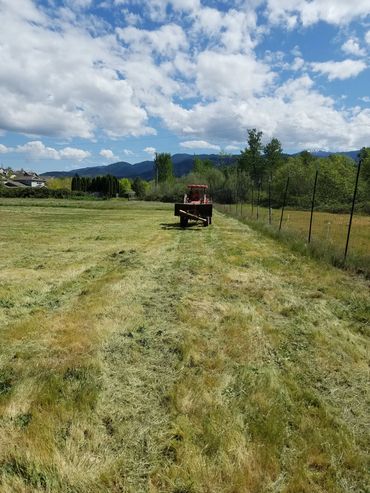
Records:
x=262, y=170
x=107, y=186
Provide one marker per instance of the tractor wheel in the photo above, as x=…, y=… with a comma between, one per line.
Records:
x=183, y=221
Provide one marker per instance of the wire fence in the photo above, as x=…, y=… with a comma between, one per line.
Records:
x=344, y=239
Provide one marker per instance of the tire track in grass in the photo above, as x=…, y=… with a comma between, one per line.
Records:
x=141, y=362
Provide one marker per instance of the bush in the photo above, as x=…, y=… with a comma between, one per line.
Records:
x=39, y=193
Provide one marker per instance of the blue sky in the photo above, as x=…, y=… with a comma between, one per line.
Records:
x=90, y=82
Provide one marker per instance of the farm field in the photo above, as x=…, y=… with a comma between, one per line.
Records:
x=139, y=357
x=329, y=231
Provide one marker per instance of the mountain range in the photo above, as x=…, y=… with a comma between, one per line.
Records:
x=182, y=164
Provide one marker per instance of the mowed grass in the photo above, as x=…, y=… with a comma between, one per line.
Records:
x=139, y=357
x=328, y=234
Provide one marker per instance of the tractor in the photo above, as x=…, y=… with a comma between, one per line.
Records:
x=197, y=206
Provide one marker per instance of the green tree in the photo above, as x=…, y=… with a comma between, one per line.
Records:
x=201, y=166
x=364, y=156
x=198, y=165
x=251, y=160
x=163, y=167
x=62, y=183
x=76, y=183
x=124, y=186
x=306, y=157
x=140, y=187
x=273, y=155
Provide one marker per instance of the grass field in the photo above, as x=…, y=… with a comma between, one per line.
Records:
x=329, y=231
x=139, y=357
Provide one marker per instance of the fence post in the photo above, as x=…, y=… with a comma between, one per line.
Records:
x=353, y=206
x=258, y=199
x=312, y=206
x=284, y=202
x=252, y=199
x=270, y=218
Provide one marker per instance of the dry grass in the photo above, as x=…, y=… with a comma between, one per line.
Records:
x=138, y=357
x=329, y=232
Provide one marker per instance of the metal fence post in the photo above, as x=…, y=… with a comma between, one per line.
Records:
x=284, y=202
x=252, y=199
x=312, y=206
x=353, y=207
x=270, y=215
x=258, y=199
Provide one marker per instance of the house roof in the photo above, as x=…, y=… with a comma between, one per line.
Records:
x=28, y=177
x=12, y=183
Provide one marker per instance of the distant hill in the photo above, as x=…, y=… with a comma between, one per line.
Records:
x=183, y=164
x=351, y=154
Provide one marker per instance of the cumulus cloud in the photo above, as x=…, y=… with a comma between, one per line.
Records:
x=108, y=154
x=339, y=70
x=367, y=37
x=310, y=12
x=150, y=150
x=352, y=47
x=221, y=74
x=52, y=88
x=37, y=150
x=199, y=144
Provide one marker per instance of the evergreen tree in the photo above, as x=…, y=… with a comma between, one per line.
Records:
x=76, y=183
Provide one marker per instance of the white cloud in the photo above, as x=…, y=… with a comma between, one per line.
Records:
x=36, y=149
x=4, y=149
x=298, y=63
x=150, y=150
x=52, y=88
x=167, y=40
x=73, y=153
x=232, y=148
x=313, y=11
x=352, y=47
x=221, y=74
x=199, y=144
x=127, y=152
x=339, y=70
x=367, y=37
x=295, y=112
x=108, y=154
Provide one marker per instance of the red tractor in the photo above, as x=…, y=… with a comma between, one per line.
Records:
x=197, y=206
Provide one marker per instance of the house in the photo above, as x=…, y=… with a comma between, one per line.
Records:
x=20, y=179
x=28, y=179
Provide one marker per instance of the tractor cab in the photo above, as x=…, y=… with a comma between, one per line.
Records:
x=197, y=194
